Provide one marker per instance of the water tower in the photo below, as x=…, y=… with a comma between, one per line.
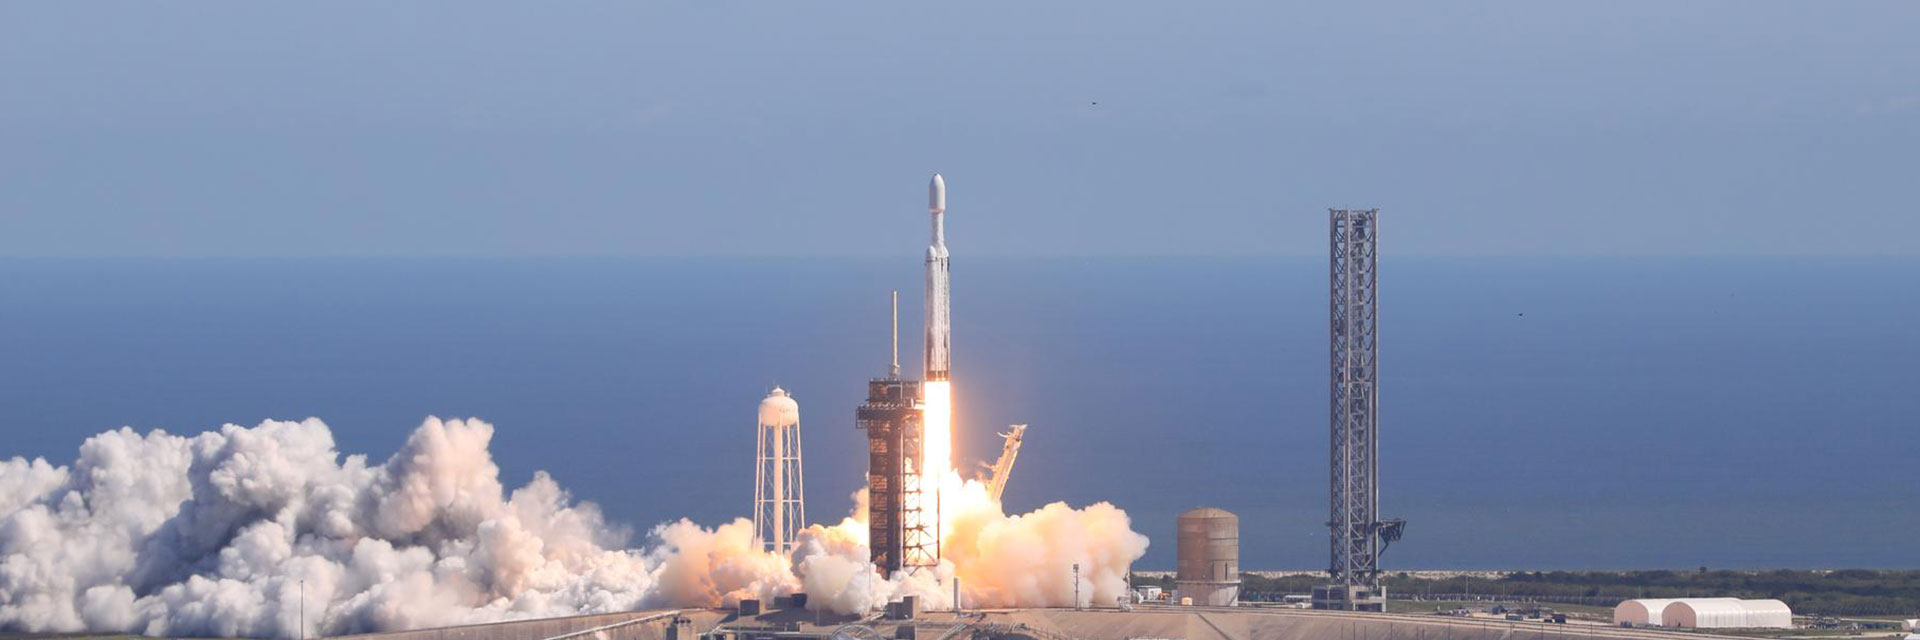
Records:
x=779, y=503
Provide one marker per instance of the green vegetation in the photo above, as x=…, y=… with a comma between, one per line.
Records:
x=1430, y=606
x=1851, y=592
x=1164, y=581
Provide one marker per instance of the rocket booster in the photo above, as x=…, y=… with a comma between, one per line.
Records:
x=939, y=328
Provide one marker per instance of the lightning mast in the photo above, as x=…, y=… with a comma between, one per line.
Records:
x=894, y=371
x=1357, y=534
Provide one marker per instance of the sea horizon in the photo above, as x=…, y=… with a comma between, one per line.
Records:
x=1581, y=413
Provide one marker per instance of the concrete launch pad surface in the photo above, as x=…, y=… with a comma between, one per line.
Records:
x=638, y=625
x=1188, y=623
x=1147, y=622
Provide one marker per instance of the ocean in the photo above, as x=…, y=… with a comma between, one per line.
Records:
x=1537, y=413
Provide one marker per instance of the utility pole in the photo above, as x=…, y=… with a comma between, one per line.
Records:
x=1076, y=585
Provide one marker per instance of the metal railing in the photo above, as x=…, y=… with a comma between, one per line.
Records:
x=624, y=623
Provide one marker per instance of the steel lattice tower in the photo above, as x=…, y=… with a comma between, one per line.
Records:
x=896, y=532
x=920, y=542
x=1357, y=532
x=891, y=418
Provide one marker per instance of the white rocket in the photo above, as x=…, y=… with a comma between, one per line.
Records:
x=939, y=327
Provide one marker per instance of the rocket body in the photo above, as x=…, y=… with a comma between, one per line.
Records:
x=939, y=325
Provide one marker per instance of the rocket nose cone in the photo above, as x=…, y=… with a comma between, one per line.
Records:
x=937, y=193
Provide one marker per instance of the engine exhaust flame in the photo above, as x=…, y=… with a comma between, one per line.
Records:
x=937, y=430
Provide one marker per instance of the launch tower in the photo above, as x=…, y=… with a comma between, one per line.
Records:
x=1358, y=535
x=891, y=418
x=892, y=423
x=909, y=425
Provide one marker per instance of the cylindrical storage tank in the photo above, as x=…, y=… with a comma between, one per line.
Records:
x=779, y=409
x=1208, y=547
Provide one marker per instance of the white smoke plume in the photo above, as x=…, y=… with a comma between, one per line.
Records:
x=216, y=534
x=1022, y=560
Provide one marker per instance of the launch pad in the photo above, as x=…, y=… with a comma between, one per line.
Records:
x=1189, y=623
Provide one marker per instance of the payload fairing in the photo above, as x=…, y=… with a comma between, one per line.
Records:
x=939, y=328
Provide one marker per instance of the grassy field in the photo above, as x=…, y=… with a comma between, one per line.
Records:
x=1809, y=633
x=1430, y=606
x=1853, y=593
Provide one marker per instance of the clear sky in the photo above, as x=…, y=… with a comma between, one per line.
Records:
x=1125, y=128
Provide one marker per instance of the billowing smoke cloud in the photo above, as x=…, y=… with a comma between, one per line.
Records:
x=1023, y=560
x=219, y=534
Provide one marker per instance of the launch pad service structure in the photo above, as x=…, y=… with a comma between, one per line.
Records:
x=891, y=418
x=1358, y=535
x=903, y=506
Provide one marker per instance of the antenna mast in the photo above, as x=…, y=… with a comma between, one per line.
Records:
x=894, y=373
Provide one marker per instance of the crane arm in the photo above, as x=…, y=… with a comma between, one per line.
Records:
x=1002, y=468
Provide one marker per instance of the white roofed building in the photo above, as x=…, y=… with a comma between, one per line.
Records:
x=1727, y=613
x=1640, y=613
x=1705, y=613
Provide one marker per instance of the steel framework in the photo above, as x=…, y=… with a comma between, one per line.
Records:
x=892, y=423
x=1358, y=534
x=919, y=521
x=897, y=533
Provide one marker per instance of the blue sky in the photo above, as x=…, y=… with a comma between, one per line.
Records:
x=1112, y=128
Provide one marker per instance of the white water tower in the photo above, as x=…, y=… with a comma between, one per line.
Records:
x=779, y=505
